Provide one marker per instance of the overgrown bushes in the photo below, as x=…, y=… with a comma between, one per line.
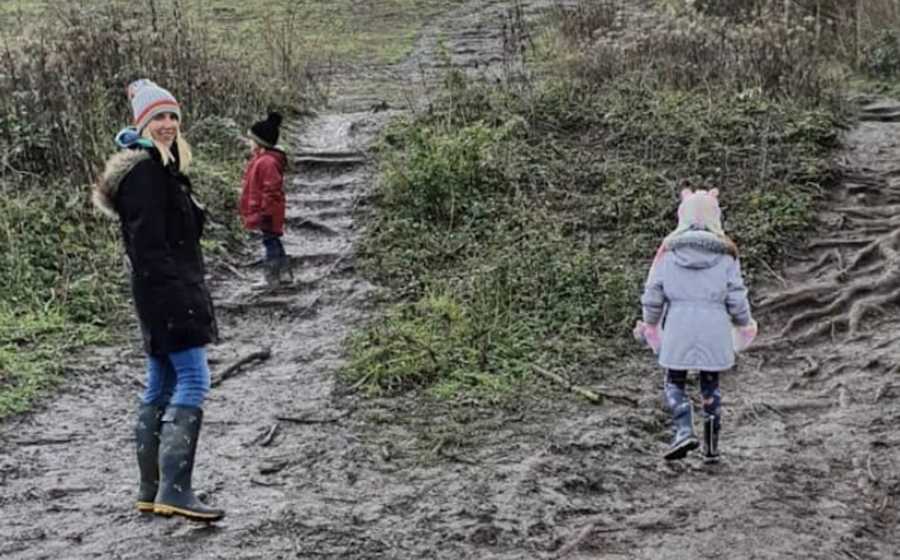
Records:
x=62, y=98
x=544, y=261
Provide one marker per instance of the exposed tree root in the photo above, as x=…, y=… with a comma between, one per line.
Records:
x=852, y=292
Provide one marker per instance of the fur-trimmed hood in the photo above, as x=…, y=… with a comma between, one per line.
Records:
x=703, y=240
x=699, y=248
x=117, y=167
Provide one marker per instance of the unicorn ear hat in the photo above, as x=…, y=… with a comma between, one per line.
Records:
x=700, y=210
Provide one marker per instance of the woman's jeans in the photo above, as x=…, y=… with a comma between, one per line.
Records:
x=180, y=379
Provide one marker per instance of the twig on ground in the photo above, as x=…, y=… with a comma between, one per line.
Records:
x=234, y=369
x=57, y=493
x=458, y=458
x=273, y=467
x=264, y=483
x=884, y=343
x=270, y=435
x=362, y=381
x=559, y=380
x=595, y=396
x=235, y=271
x=881, y=392
x=873, y=478
x=310, y=420
x=592, y=526
x=813, y=368
x=306, y=308
x=341, y=258
x=771, y=270
x=44, y=441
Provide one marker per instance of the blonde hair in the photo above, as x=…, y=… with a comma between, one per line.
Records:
x=185, y=156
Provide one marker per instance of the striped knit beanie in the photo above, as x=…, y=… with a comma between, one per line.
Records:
x=149, y=100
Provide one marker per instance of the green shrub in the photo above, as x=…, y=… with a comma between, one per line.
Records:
x=882, y=58
x=444, y=177
x=544, y=263
x=62, y=99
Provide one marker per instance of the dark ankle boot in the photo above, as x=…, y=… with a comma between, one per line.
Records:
x=711, y=427
x=178, y=445
x=147, y=443
x=685, y=440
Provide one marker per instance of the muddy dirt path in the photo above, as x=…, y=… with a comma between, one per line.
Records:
x=810, y=438
x=812, y=451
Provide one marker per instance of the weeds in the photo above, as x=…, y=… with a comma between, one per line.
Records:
x=516, y=224
x=62, y=98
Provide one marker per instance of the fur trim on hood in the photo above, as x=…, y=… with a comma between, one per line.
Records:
x=703, y=240
x=117, y=167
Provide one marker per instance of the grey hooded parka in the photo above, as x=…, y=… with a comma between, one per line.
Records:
x=697, y=293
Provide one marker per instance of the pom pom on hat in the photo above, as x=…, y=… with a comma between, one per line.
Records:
x=266, y=132
x=148, y=100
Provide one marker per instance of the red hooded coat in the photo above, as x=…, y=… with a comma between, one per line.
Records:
x=262, y=196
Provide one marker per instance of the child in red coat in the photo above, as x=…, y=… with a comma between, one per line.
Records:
x=262, y=203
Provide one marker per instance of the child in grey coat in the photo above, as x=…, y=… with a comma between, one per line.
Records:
x=696, y=289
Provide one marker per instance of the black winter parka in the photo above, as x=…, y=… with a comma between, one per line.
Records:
x=161, y=228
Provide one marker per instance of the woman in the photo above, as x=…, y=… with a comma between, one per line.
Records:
x=145, y=187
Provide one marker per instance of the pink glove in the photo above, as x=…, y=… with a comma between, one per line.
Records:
x=742, y=337
x=648, y=334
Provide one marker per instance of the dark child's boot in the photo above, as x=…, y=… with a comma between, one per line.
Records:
x=712, y=425
x=178, y=446
x=685, y=441
x=285, y=271
x=269, y=279
x=147, y=443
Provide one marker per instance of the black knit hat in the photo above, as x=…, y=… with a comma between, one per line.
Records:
x=265, y=133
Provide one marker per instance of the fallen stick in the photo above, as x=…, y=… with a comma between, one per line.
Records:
x=873, y=478
x=270, y=435
x=457, y=458
x=592, y=526
x=44, y=441
x=771, y=270
x=559, y=380
x=264, y=483
x=593, y=396
x=630, y=401
x=234, y=368
x=362, y=381
x=881, y=392
x=274, y=466
x=310, y=420
x=235, y=271
x=813, y=368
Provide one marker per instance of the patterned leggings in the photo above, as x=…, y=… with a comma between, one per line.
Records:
x=709, y=389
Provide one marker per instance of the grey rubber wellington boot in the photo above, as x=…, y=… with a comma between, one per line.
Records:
x=685, y=440
x=178, y=446
x=146, y=433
